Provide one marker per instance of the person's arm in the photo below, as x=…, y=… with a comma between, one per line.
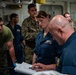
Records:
x=43, y=67
x=24, y=30
x=23, y=43
x=51, y=67
x=11, y=50
x=34, y=59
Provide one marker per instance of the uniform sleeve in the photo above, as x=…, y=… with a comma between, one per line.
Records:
x=21, y=37
x=24, y=28
x=10, y=36
x=36, y=37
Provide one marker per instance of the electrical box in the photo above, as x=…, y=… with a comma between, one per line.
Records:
x=40, y=1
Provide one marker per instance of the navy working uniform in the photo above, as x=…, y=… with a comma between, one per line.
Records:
x=17, y=42
x=45, y=49
x=30, y=29
x=16, y=30
x=68, y=57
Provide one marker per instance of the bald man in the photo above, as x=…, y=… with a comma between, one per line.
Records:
x=64, y=34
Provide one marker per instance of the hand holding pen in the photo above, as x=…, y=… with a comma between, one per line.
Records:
x=39, y=67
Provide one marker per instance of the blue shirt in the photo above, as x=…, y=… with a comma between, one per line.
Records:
x=17, y=36
x=45, y=49
x=68, y=57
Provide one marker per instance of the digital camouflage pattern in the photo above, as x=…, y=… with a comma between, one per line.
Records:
x=3, y=60
x=5, y=36
x=29, y=30
x=73, y=25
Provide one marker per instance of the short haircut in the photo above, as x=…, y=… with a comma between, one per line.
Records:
x=65, y=13
x=13, y=15
x=1, y=19
x=41, y=14
x=49, y=15
x=31, y=5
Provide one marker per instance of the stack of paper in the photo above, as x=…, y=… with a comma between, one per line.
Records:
x=49, y=72
x=24, y=68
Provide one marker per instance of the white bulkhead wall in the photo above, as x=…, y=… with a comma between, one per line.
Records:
x=23, y=12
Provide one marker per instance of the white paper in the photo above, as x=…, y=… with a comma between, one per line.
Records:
x=50, y=72
x=24, y=68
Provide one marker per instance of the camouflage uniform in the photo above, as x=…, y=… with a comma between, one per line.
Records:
x=29, y=30
x=73, y=25
x=3, y=58
x=5, y=36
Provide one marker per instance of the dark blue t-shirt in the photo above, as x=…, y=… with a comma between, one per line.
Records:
x=68, y=57
x=17, y=37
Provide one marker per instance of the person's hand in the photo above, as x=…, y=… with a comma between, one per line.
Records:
x=14, y=65
x=39, y=67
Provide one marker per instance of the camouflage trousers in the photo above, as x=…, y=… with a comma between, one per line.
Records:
x=3, y=67
x=3, y=61
x=28, y=55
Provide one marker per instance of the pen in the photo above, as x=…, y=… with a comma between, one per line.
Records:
x=30, y=67
x=36, y=67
